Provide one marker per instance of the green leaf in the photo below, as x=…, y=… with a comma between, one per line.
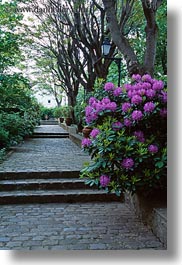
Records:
x=159, y=164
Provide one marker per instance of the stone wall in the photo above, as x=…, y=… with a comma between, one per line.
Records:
x=152, y=210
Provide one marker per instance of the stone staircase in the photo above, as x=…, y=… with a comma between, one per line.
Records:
x=50, y=135
x=49, y=122
x=36, y=186
x=44, y=187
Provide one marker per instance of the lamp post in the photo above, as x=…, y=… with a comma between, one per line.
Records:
x=106, y=45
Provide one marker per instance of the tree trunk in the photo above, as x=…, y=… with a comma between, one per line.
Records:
x=133, y=65
x=151, y=30
x=121, y=42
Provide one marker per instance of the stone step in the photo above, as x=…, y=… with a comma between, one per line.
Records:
x=48, y=122
x=41, y=135
x=51, y=133
x=11, y=175
x=58, y=196
x=42, y=184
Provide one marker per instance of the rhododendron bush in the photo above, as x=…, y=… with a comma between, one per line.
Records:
x=128, y=141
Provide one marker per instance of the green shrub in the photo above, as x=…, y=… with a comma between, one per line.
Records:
x=44, y=111
x=58, y=112
x=128, y=143
x=4, y=137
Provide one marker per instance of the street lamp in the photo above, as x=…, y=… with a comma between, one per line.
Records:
x=106, y=46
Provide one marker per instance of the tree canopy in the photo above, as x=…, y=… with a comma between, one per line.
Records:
x=64, y=39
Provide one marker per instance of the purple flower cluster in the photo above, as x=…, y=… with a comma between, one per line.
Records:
x=140, y=136
x=109, y=86
x=137, y=115
x=116, y=126
x=136, y=99
x=147, y=78
x=158, y=85
x=126, y=106
x=96, y=106
x=117, y=92
x=153, y=148
x=149, y=107
x=104, y=180
x=127, y=163
x=150, y=93
x=127, y=122
x=86, y=142
x=145, y=86
x=94, y=132
x=136, y=77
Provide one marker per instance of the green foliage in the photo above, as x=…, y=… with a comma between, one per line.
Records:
x=58, y=112
x=44, y=111
x=10, y=39
x=79, y=108
x=67, y=111
x=19, y=111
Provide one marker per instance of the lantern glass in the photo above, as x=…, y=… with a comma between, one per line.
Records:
x=106, y=45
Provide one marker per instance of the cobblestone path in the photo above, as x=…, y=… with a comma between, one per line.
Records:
x=73, y=227
x=45, y=154
x=66, y=226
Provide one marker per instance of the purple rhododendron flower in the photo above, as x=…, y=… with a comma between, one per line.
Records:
x=146, y=85
x=147, y=78
x=88, y=110
x=137, y=115
x=136, y=99
x=91, y=117
x=149, y=107
x=117, y=92
x=140, y=136
x=153, y=148
x=136, y=77
x=127, y=87
x=127, y=163
x=158, y=85
x=99, y=107
x=164, y=96
x=126, y=106
x=137, y=86
x=109, y=86
x=92, y=100
x=112, y=106
x=94, y=132
x=127, y=122
x=130, y=94
x=141, y=92
x=86, y=142
x=104, y=180
x=150, y=93
x=163, y=112
x=117, y=125
x=105, y=100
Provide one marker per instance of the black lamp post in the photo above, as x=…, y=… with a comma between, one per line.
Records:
x=106, y=45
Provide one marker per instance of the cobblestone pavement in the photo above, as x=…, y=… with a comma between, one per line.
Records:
x=86, y=226
x=45, y=154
